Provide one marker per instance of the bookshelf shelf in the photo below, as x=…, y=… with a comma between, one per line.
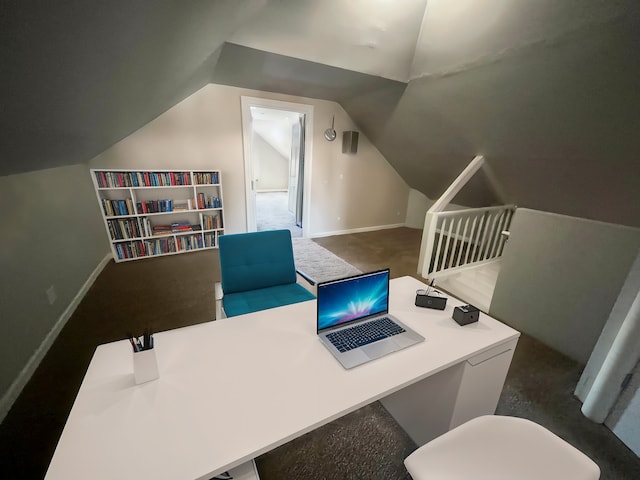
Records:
x=161, y=212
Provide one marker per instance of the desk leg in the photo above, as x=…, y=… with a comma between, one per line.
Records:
x=436, y=404
x=246, y=471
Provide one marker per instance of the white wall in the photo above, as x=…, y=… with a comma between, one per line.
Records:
x=348, y=192
x=560, y=277
x=271, y=169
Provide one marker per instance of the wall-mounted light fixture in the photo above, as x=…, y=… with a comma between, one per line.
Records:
x=350, y=142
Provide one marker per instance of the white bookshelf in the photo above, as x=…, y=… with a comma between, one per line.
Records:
x=150, y=213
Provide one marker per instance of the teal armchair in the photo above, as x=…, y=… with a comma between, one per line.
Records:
x=258, y=272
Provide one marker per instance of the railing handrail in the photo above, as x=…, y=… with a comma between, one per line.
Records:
x=451, y=213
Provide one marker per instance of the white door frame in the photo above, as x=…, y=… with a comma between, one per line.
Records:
x=307, y=110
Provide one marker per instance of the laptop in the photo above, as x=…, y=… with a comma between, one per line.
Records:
x=353, y=319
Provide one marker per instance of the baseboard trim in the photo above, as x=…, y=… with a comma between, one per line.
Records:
x=357, y=230
x=8, y=399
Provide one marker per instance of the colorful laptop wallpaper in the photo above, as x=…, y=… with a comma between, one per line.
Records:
x=353, y=298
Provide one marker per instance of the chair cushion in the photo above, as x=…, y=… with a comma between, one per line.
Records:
x=250, y=261
x=264, y=298
x=493, y=447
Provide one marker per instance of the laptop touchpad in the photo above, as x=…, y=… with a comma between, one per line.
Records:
x=377, y=349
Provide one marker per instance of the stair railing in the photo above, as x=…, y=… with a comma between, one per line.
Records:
x=454, y=240
x=461, y=239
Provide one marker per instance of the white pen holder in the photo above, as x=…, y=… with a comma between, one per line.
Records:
x=145, y=366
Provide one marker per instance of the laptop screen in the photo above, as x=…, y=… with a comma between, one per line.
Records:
x=353, y=298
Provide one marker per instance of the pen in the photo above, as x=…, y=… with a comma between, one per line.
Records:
x=132, y=342
x=430, y=286
x=146, y=339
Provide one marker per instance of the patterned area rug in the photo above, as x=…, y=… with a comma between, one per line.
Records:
x=319, y=263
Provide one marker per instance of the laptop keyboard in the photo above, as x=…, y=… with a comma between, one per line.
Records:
x=364, y=333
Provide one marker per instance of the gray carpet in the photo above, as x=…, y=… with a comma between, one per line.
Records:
x=272, y=213
x=366, y=444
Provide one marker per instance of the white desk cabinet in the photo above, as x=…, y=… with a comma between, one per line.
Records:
x=440, y=402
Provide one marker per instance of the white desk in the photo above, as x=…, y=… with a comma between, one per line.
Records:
x=233, y=389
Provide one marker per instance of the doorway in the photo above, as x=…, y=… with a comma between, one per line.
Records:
x=277, y=160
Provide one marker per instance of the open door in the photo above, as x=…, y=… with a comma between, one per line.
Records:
x=296, y=170
x=277, y=156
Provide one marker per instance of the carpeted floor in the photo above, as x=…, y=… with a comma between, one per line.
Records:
x=367, y=444
x=319, y=263
x=174, y=291
x=272, y=213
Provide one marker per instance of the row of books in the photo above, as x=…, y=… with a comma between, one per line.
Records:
x=209, y=240
x=114, y=208
x=158, y=206
x=136, y=249
x=208, y=201
x=160, y=245
x=176, y=227
x=205, y=178
x=169, y=205
x=131, y=250
x=154, y=179
x=130, y=228
x=124, y=229
x=194, y=242
x=142, y=179
x=211, y=222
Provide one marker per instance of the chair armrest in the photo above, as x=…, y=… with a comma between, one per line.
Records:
x=310, y=280
x=308, y=283
x=218, y=295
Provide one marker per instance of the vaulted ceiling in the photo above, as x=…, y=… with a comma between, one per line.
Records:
x=547, y=91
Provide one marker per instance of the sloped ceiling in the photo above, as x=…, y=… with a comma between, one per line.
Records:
x=78, y=76
x=547, y=91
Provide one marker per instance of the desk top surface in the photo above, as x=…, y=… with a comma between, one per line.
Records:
x=235, y=388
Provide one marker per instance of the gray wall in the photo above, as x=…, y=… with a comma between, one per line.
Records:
x=52, y=234
x=561, y=276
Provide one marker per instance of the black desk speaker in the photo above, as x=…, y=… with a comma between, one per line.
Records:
x=466, y=314
x=430, y=300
